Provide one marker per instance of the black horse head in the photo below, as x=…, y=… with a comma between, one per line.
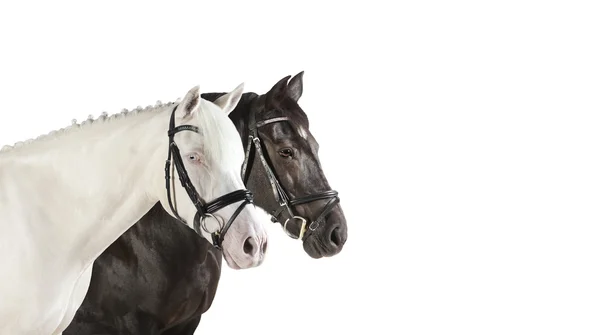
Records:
x=282, y=155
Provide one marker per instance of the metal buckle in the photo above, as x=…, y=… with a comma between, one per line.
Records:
x=316, y=225
x=203, y=223
x=302, y=227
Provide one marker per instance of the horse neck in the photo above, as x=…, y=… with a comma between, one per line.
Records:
x=90, y=185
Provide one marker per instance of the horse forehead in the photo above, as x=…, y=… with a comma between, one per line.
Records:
x=228, y=151
x=216, y=125
x=296, y=116
x=303, y=132
x=225, y=135
x=224, y=143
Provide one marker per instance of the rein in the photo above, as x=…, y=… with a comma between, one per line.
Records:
x=203, y=210
x=284, y=201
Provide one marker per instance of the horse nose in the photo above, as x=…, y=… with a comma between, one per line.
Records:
x=251, y=247
x=336, y=237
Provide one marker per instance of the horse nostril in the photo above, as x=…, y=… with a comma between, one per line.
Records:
x=250, y=246
x=264, y=248
x=336, y=238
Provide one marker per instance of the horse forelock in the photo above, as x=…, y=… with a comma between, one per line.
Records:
x=219, y=133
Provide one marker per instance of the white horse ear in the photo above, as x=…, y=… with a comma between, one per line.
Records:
x=229, y=101
x=190, y=102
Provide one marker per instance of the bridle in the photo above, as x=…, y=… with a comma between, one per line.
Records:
x=203, y=210
x=284, y=201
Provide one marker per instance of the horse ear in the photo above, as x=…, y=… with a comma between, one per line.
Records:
x=278, y=90
x=190, y=102
x=229, y=101
x=295, y=86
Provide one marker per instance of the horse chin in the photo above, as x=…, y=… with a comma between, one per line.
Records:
x=312, y=253
x=313, y=248
x=230, y=261
x=316, y=249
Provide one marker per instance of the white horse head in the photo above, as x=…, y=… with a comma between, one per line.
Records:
x=66, y=196
x=212, y=157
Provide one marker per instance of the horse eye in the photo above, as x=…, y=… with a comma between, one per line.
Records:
x=286, y=153
x=193, y=157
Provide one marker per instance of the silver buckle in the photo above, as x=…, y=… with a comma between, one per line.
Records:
x=203, y=223
x=302, y=227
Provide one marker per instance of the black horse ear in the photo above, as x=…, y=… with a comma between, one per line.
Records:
x=278, y=90
x=295, y=86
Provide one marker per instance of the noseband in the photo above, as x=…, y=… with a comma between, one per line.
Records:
x=203, y=210
x=284, y=201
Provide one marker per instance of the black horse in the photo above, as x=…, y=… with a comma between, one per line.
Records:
x=160, y=276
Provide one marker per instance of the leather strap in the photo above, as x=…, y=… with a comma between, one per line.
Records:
x=202, y=210
x=284, y=201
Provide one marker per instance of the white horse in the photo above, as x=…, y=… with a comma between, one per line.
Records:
x=65, y=197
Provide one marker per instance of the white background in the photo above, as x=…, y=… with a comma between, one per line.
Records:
x=463, y=137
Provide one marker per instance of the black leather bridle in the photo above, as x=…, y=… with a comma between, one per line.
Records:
x=203, y=209
x=284, y=201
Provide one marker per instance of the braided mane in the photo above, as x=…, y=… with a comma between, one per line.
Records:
x=75, y=126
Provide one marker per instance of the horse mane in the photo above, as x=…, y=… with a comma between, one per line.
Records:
x=214, y=96
x=105, y=118
x=75, y=126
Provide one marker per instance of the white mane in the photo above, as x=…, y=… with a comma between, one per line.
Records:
x=104, y=118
